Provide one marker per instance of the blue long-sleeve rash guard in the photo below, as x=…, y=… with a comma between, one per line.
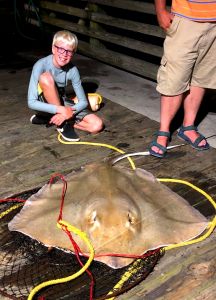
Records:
x=61, y=77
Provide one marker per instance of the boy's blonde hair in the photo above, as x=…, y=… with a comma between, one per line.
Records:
x=66, y=36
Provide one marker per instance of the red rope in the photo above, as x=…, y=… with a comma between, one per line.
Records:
x=149, y=253
x=77, y=250
x=12, y=200
x=64, y=189
x=77, y=253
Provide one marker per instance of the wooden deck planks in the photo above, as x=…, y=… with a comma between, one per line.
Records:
x=30, y=154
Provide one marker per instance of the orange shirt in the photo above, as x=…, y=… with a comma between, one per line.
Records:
x=197, y=10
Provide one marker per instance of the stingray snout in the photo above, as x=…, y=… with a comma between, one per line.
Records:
x=116, y=262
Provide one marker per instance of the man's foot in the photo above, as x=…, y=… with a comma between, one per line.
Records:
x=157, y=147
x=39, y=119
x=68, y=133
x=193, y=137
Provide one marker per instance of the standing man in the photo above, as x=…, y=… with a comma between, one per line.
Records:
x=187, y=68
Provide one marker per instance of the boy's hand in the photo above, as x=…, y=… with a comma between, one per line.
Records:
x=66, y=111
x=63, y=113
x=57, y=119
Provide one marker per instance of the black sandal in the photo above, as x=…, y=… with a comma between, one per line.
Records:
x=194, y=144
x=159, y=146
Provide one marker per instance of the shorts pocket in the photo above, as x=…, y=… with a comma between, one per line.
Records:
x=163, y=61
x=173, y=26
x=161, y=70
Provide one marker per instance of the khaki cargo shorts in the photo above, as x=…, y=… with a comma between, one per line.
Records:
x=189, y=57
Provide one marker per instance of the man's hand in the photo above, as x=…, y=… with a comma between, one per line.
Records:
x=63, y=113
x=164, y=17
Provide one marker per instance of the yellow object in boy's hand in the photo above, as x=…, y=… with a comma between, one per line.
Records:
x=94, y=101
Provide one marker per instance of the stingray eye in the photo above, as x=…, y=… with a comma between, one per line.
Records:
x=131, y=219
x=93, y=217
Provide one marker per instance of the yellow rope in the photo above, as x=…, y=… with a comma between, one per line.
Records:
x=84, y=237
x=97, y=144
x=74, y=229
x=130, y=272
x=4, y=213
x=211, y=225
x=133, y=268
x=71, y=228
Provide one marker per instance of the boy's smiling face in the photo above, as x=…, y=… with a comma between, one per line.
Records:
x=62, y=54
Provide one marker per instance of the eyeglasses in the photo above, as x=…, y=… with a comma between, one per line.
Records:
x=64, y=51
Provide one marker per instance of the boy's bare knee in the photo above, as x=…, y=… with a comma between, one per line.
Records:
x=46, y=80
x=97, y=126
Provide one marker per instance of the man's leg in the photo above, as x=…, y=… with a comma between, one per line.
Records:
x=192, y=104
x=169, y=107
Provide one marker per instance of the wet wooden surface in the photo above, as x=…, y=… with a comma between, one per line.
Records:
x=30, y=154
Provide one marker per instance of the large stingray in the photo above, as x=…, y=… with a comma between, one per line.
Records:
x=122, y=211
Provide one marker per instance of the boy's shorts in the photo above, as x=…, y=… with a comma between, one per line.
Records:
x=189, y=57
x=66, y=102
